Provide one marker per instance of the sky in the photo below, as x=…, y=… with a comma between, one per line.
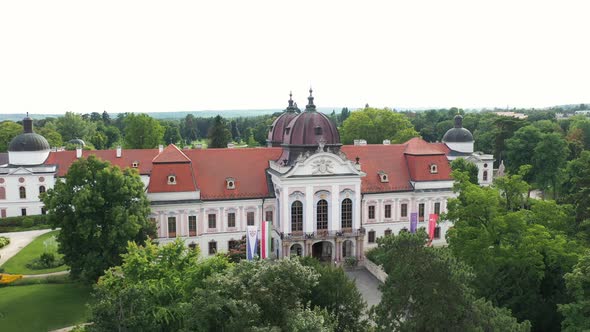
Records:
x=166, y=56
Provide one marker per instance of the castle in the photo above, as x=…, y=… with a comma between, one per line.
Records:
x=324, y=199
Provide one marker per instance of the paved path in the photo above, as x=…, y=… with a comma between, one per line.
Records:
x=60, y=273
x=18, y=240
x=367, y=284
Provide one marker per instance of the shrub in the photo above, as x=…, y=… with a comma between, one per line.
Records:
x=47, y=260
x=350, y=261
x=4, y=241
x=371, y=255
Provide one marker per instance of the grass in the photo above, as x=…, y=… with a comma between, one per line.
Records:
x=11, y=229
x=43, y=307
x=17, y=264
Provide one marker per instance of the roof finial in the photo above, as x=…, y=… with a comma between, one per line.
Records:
x=310, y=106
x=290, y=101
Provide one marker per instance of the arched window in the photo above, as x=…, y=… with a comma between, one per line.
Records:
x=2, y=193
x=485, y=175
x=346, y=213
x=297, y=216
x=22, y=192
x=322, y=214
x=41, y=189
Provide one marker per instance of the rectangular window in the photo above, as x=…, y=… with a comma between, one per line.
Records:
x=232, y=245
x=22, y=191
x=250, y=218
x=231, y=220
x=404, y=210
x=212, y=248
x=3, y=213
x=212, y=220
x=171, y=226
x=268, y=216
x=387, y=232
x=371, y=236
x=371, y=211
x=421, y=212
x=388, y=211
x=43, y=211
x=23, y=212
x=437, y=208
x=192, y=225
x=437, y=233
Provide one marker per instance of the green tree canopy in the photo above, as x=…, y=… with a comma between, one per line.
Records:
x=577, y=312
x=172, y=133
x=72, y=125
x=375, y=125
x=8, y=131
x=99, y=208
x=470, y=168
x=550, y=156
x=219, y=134
x=428, y=289
x=142, y=132
x=520, y=148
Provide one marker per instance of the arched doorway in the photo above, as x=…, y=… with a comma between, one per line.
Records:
x=322, y=251
x=347, y=249
x=296, y=250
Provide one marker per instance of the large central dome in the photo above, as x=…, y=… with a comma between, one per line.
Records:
x=307, y=132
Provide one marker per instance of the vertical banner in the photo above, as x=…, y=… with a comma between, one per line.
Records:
x=265, y=239
x=413, y=222
x=432, y=225
x=251, y=242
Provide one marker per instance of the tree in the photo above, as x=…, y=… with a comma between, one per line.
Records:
x=441, y=300
x=99, y=140
x=99, y=208
x=577, y=312
x=106, y=118
x=53, y=137
x=520, y=148
x=549, y=157
x=152, y=288
x=463, y=165
x=375, y=125
x=8, y=131
x=235, y=132
x=519, y=263
x=189, y=130
x=142, y=132
x=338, y=294
x=172, y=133
x=576, y=189
x=72, y=125
x=513, y=189
x=344, y=114
x=219, y=135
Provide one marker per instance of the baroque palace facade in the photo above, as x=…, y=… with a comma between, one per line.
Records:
x=324, y=199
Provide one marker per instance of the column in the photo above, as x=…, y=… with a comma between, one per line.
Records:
x=335, y=211
x=286, y=211
x=308, y=221
x=221, y=221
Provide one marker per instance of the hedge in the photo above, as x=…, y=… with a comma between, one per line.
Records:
x=22, y=223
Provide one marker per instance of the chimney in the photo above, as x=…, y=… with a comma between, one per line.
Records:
x=78, y=152
x=160, y=148
x=362, y=142
x=386, y=142
x=118, y=151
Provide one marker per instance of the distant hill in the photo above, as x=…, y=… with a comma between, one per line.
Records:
x=176, y=115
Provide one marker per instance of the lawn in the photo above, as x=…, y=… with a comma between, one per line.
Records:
x=17, y=264
x=42, y=307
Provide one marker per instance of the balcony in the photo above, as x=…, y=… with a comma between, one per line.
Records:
x=322, y=234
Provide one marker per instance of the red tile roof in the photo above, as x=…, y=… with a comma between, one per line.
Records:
x=185, y=178
x=386, y=158
x=144, y=157
x=171, y=154
x=418, y=146
x=246, y=166
x=207, y=170
x=419, y=167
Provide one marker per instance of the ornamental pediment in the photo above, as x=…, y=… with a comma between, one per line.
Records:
x=323, y=164
x=20, y=171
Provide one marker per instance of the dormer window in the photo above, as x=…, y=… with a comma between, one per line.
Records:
x=230, y=183
x=287, y=131
x=135, y=164
x=433, y=169
x=318, y=130
x=383, y=176
x=171, y=179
